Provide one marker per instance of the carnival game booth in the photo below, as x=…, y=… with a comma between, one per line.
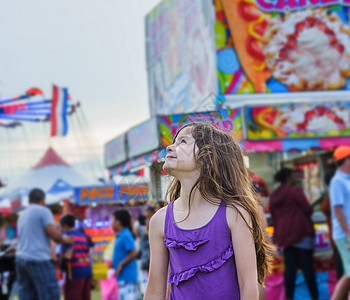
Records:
x=137, y=152
x=99, y=204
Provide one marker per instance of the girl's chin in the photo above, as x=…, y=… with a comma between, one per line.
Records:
x=167, y=170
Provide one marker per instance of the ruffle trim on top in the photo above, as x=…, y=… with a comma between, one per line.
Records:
x=208, y=267
x=188, y=245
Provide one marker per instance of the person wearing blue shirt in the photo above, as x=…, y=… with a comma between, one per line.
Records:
x=340, y=209
x=124, y=256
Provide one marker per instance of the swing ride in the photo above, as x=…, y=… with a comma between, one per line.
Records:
x=23, y=139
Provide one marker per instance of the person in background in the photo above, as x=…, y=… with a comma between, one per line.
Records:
x=75, y=262
x=339, y=190
x=294, y=231
x=139, y=226
x=145, y=254
x=326, y=209
x=35, y=272
x=81, y=228
x=124, y=256
x=159, y=205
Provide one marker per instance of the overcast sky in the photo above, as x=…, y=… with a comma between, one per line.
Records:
x=96, y=48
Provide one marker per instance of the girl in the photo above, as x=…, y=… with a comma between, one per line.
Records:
x=211, y=233
x=124, y=256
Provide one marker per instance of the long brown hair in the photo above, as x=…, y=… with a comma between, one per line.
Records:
x=224, y=177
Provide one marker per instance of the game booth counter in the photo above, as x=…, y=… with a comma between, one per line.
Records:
x=95, y=206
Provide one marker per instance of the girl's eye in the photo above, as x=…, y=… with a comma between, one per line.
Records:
x=183, y=141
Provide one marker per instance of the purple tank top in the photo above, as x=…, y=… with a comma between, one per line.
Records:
x=202, y=263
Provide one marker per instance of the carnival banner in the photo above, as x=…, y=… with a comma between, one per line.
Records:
x=98, y=194
x=280, y=46
x=180, y=55
x=115, y=151
x=298, y=121
x=227, y=120
x=143, y=138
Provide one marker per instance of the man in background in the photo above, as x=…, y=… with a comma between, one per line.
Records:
x=340, y=208
x=34, y=269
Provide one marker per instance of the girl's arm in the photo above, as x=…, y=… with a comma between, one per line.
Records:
x=244, y=250
x=158, y=274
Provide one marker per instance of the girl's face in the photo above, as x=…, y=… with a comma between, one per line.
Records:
x=180, y=157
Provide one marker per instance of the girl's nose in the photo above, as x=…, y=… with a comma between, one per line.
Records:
x=169, y=148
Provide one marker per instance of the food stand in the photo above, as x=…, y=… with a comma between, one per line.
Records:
x=99, y=203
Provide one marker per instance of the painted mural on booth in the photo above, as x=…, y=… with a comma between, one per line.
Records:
x=266, y=46
x=229, y=120
x=180, y=55
x=298, y=121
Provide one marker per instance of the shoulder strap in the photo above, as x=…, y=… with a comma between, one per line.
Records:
x=169, y=218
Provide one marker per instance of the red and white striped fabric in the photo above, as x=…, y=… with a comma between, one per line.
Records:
x=59, y=107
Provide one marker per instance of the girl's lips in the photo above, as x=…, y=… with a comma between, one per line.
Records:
x=168, y=156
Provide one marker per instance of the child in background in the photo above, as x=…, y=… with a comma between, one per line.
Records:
x=145, y=254
x=75, y=262
x=211, y=233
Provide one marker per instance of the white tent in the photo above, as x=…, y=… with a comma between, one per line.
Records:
x=51, y=174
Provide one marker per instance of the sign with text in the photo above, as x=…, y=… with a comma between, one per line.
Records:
x=278, y=46
x=115, y=151
x=226, y=120
x=88, y=195
x=298, y=121
x=180, y=55
x=143, y=138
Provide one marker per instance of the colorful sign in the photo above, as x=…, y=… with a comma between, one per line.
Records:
x=280, y=46
x=88, y=195
x=180, y=56
x=115, y=151
x=227, y=120
x=143, y=138
x=298, y=120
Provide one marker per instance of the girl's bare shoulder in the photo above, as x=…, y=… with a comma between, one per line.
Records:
x=158, y=220
x=234, y=214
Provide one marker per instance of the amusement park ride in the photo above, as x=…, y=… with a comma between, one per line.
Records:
x=23, y=111
x=34, y=107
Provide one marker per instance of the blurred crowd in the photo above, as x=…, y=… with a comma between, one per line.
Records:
x=49, y=260
x=52, y=260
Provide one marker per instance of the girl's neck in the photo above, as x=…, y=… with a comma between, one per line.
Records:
x=196, y=197
x=187, y=182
